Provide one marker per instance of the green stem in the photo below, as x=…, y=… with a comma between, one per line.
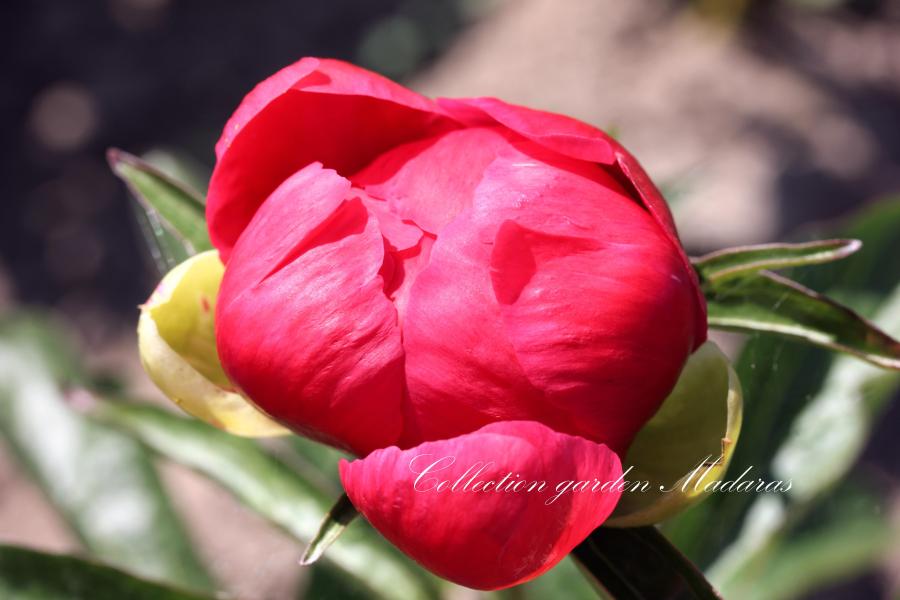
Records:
x=639, y=563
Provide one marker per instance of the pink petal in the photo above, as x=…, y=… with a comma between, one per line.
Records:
x=314, y=346
x=400, y=234
x=654, y=202
x=431, y=181
x=560, y=133
x=462, y=372
x=575, y=139
x=487, y=539
x=314, y=110
x=556, y=298
x=407, y=252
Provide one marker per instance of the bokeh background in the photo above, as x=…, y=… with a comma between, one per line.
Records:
x=760, y=119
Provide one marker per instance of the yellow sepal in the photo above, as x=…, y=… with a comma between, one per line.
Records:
x=177, y=342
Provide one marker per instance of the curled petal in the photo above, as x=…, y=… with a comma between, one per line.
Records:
x=317, y=346
x=176, y=339
x=489, y=509
x=562, y=134
x=314, y=110
x=398, y=233
x=655, y=203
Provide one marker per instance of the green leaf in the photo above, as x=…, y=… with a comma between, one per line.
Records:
x=273, y=491
x=870, y=270
x=166, y=249
x=780, y=378
x=565, y=580
x=814, y=560
x=103, y=483
x=775, y=559
x=687, y=445
x=831, y=431
x=339, y=516
x=313, y=461
x=168, y=204
x=323, y=584
x=743, y=260
x=639, y=563
x=821, y=447
x=29, y=575
x=771, y=303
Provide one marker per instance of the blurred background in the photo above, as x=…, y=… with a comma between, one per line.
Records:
x=761, y=119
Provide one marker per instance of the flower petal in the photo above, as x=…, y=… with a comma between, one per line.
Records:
x=562, y=134
x=533, y=306
x=314, y=110
x=399, y=234
x=176, y=339
x=575, y=139
x=487, y=536
x=655, y=203
x=431, y=181
x=318, y=347
x=462, y=371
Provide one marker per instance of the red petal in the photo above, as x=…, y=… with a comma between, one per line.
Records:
x=576, y=313
x=314, y=110
x=576, y=139
x=562, y=134
x=431, y=181
x=654, y=202
x=314, y=346
x=487, y=539
x=462, y=372
x=400, y=234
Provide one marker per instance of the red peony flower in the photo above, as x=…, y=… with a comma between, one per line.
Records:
x=461, y=277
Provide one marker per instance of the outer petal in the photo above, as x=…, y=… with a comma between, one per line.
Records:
x=654, y=202
x=176, y=338
x=303, y=325
x=575, y=139
x=534, y=306
x=479, y=534
x=462, y=372
x=314, y=110
x=559, y=133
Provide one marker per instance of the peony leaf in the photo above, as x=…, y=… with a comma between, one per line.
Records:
x=743, y=260
x=821, y=446
x=768, y=302
x=781, y=377
x=637, y=563
x=273, y=491
x=339, y=516
x=30, y=575
x=687, y=445
x=173, y=215
x=102, y=482
x=176, y=338
x=166, y=249
x=772, y=560
x=565, y=580
x=830, y=432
